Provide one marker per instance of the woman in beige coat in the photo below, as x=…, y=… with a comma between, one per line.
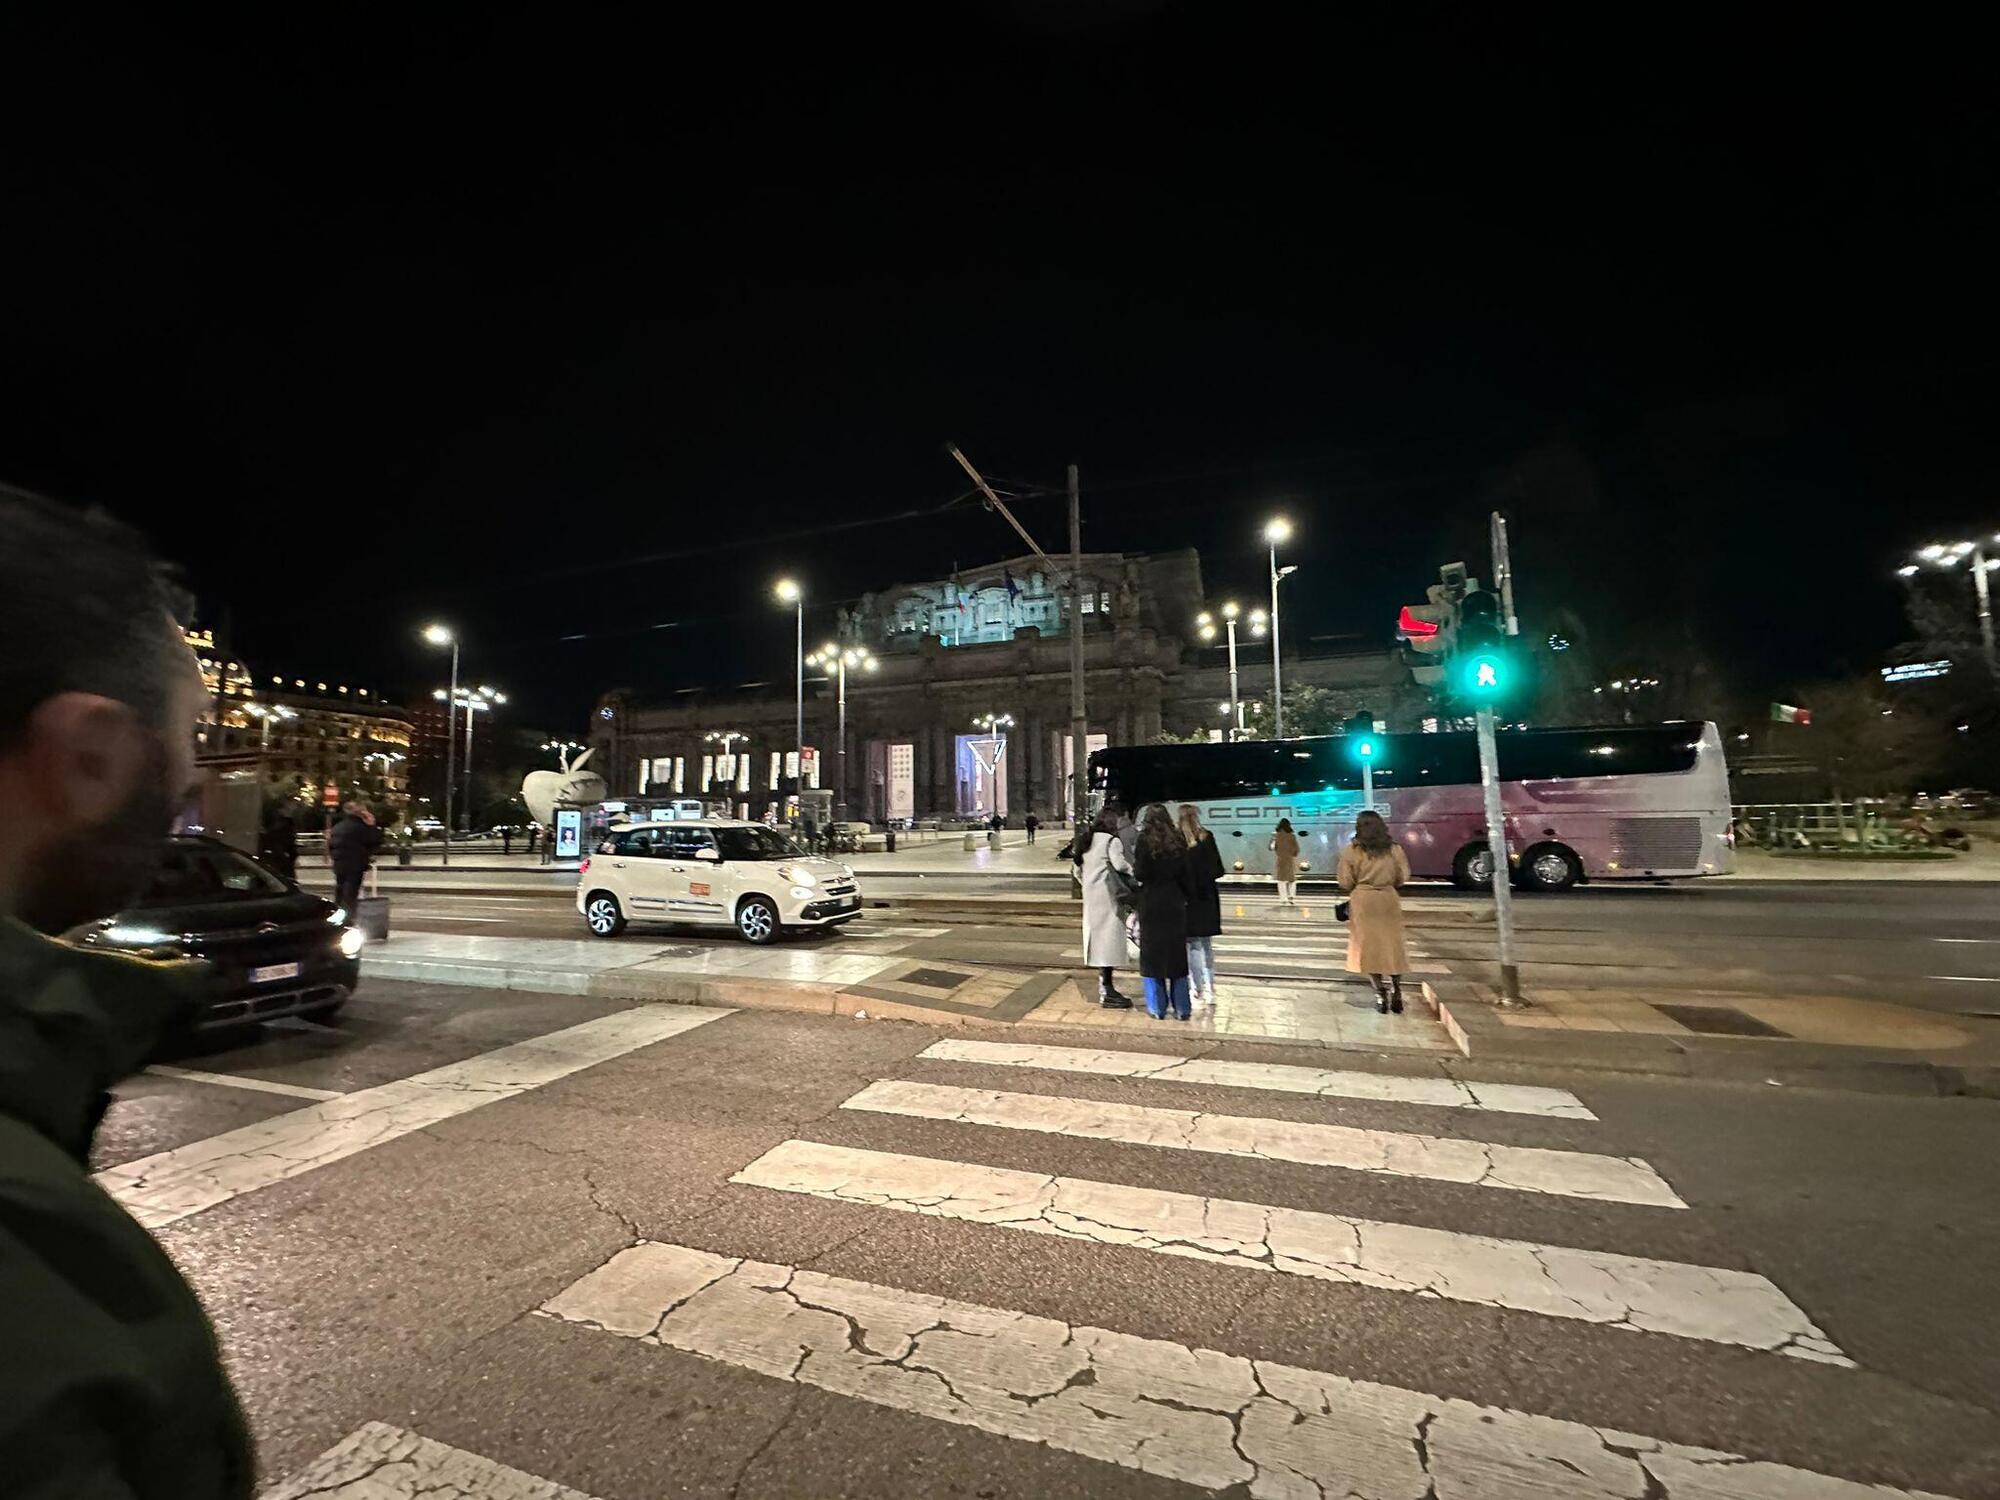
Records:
x=1370, y=870
x=1285, y=862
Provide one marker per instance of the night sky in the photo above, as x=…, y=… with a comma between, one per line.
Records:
x=370, y=321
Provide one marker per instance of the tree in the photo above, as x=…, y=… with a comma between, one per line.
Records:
x=1308, y=710
x=1868, y=744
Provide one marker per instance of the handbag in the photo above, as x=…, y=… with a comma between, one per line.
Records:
x=1340, y=910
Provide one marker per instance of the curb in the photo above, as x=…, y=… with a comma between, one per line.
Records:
x=756, y=994
x=1480, y=1035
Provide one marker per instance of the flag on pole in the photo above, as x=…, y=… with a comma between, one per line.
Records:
x=1790, y=713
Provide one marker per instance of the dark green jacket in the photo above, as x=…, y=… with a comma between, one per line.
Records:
x=110, y=1384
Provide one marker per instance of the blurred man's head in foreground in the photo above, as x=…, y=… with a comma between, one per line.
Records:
x=99, y=696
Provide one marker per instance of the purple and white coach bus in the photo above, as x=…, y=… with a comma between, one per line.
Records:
x=1627, y=802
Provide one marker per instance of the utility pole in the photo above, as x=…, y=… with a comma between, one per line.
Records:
x=1503, y=576
x=1496, y=851
x=1079, y=726
x=1985, y=610
x=1075, y=581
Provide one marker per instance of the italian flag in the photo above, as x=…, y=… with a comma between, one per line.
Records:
x=1790, y=713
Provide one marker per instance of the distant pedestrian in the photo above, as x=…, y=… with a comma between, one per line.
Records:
x=1162, y=868
x=507, y=840
x=1031, y=823
x=278, y=845
x=1128, y=830
x=1104, y=873
x=1204, y=904
x=1285, y=862
x=1371, y=868
x=352, y=846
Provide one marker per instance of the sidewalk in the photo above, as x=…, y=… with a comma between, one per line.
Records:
x=1982, y=862
x=1806, y=1040
x=866, y=977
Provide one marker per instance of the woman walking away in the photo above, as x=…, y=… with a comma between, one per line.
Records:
x=1370, y=870
x=1204, y=904
x=1285, y=845
x=1162, y=868
x=1102, y=868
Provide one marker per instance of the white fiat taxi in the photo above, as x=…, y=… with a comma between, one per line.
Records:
x=712, y=871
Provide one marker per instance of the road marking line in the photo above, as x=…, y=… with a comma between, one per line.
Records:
x=171, y=1185
x=380, y=1462
x=448, y=916
x=1967, y=978
x=1178, y=1411
x=1387, y=1088
x=1570, y=1174
x=231, y=1081
x=1965, y=940
x=1624, y=1291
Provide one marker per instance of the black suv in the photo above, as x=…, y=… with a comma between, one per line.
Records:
x=278, y=950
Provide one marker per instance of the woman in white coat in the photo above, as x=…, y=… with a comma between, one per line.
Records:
x=1103, y=869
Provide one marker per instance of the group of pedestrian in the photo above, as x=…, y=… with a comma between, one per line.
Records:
x=1152, y=883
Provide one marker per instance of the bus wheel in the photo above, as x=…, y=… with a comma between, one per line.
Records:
x=1550, y=867
x=1472, y=870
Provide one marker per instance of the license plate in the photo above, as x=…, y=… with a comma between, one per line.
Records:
x=852, y=903
x=271, y=972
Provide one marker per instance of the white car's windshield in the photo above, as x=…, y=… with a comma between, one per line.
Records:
x=756, y=843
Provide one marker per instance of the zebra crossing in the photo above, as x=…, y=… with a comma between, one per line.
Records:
x=1216, y=1417
x=1310, y=950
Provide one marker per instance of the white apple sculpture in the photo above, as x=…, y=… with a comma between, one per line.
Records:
x=542, y=790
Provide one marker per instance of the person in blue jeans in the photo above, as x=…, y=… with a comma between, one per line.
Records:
x=1204, y=904
x=1161, y=866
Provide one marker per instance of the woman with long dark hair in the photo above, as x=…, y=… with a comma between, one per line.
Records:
x=1204, y=904
x=1103, y=870
x=1162, y=867
x=1371, y=868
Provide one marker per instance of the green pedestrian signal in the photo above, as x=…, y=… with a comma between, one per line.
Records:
x=1364, y=745
x=1485, y=675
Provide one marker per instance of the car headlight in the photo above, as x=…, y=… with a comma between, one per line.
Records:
x=352, y=941
x=133, y=935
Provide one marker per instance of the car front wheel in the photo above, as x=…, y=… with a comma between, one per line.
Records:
x=757, y=920
x=603, y=915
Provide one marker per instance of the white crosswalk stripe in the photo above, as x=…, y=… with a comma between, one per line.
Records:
x=1385, y=1088
x=1621, y=1291
x=1201, y=1416
x=1575, y=1174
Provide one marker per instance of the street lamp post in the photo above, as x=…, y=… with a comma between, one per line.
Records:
x=996, y=727
x=789, y=592
x=562, y=749
x=1941, y=555
x=837, y=659
x=438, y=635
x=1277, y=530
x=264, y=713
x=1205, y=623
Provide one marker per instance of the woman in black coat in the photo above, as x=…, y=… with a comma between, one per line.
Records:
x=1161, y=866
x=1204, y=912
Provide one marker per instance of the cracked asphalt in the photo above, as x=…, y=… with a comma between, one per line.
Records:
x=405, y=1284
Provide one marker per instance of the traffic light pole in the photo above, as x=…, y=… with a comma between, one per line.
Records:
x=1496, y=848
x=1368, y=784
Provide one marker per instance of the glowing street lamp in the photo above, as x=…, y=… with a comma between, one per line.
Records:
x=996, y=727
x=1948, y=555
x=1205, y=624
x=789, y=592
x=440, y=635
x=1277, y=531
x=837, y=659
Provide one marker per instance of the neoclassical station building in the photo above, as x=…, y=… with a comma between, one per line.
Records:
x=950, y=652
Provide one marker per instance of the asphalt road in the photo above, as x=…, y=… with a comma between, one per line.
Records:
x=428, y=1257
x=1932, y=945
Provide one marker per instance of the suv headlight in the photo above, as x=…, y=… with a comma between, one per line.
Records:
x=137, y=937
x=351, y=942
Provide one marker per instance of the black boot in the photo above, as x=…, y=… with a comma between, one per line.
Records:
x=1381, y=1000
x=1107, y=993
x=1396, y=994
